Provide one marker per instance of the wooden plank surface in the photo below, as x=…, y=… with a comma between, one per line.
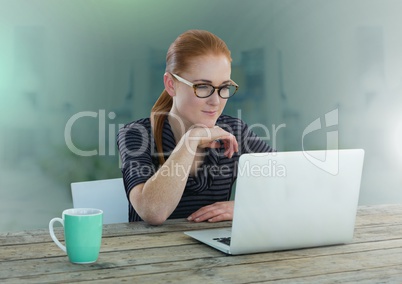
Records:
x=366, y=216
x=141, y=253
x=193, y=266
x=159, y=240
x=110, y=230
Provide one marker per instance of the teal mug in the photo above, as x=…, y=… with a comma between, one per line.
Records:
x=82, y=233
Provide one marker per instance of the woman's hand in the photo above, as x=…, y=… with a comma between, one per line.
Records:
x=213, y=138
x=216, y=212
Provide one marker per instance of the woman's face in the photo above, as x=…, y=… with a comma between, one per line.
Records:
x=191, y=110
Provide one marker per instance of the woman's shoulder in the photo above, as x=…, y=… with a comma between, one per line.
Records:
x=136, y=128
x=144, y=122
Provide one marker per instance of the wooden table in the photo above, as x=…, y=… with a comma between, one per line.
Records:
x=139, y=253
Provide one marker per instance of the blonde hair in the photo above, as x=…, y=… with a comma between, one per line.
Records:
x=187, y=46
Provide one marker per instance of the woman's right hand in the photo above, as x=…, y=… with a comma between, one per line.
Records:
x=213, y=137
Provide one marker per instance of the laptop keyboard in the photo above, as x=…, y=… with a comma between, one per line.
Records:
x=225, y=241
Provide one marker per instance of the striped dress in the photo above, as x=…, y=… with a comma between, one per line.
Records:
x=214, y=178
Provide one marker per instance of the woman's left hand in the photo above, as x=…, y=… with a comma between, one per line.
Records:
x=216, y=212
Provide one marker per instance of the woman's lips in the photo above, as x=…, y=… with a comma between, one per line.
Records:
x=210, y=113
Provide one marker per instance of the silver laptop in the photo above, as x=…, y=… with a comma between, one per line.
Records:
x=291, y=200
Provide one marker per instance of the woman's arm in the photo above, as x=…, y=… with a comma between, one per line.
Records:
x=223, y=211
x=157, y=198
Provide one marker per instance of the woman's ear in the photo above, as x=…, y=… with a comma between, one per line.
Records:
x=169, y=84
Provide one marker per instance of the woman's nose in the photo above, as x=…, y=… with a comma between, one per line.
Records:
x=214, y=98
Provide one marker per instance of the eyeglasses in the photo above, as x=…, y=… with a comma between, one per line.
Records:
x=204, y=90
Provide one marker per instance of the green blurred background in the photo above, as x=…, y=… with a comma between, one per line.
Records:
x=94, y=65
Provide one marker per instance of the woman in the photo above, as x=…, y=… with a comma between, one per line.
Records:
x=182, y=161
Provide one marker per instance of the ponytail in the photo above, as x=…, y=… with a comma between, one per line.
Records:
x=159, y=113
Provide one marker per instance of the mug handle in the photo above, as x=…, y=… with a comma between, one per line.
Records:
x=54, y=238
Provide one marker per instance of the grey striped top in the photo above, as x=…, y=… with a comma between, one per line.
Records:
x=213, y=180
